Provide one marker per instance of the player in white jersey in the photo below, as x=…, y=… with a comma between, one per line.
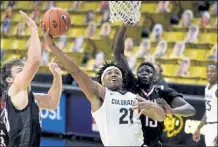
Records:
x=210, y=116
x=111, y=106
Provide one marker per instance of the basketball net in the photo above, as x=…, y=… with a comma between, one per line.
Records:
x=126, y=11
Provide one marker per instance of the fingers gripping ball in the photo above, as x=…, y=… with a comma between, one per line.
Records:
x=58, y=20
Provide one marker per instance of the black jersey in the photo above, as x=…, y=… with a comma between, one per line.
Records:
x=3, y=133
x=152, y=129
x=23, y=126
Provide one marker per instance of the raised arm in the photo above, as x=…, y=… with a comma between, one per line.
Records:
x=118, y=51
x=118, y=48
x=23, y=79
x=91, y=89
x=52, y=98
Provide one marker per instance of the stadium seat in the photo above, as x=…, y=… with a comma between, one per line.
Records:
x=196, y=21
x=202, y=82
x=198, y=54
x=90, y=5
x=175, y=69
x=152, y=50
x=23, y=5
x=113, y=33
x=4, y=4
x=208, y=37
x=16, y=17
x=149, y=7
x=174, y=36
x=5, y=43
x=43, y=5
x=104, y=45
x=185, y=80
x=77, y=19
x=98, y=18
x=213, y=20
x=168, y=52
x=170, y=79
x=88, y=46
x=75, y=32
x=89, y=64
x=64, y=4
x=69, y=46
x=13, y=29
x=197, y=71
x=77, y=57
x=2, y=15
x=27, y=31
x=168, y=69
x=19, y=44
x=11, y=56
x=44, y=68
x=91, y=73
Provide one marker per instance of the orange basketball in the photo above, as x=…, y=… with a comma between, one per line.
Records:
x=58, y=20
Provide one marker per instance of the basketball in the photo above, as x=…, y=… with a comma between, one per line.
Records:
x=58, y=20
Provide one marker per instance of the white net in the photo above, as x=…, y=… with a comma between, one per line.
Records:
x=126, y=11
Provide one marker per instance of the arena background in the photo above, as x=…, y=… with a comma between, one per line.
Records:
x=72, y=124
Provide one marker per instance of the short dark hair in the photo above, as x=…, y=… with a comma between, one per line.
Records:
x=148, y=64
x=214, y=64
x=6, y=70
x=108, y=64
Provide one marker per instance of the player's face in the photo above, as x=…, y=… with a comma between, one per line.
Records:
x=15, y=70
x=145, y=75
x=113, y=79
x=211, y=73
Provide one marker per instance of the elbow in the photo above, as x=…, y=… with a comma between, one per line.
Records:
x=192, y=110
x=53, y=106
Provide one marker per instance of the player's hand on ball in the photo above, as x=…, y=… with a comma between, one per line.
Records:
x=142, y=104
x=31, y=24
x=196, y=135
x=161, y=102
x=48, y=38
x=56, y=71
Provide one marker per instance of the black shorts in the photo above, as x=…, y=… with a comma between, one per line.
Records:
x=158, y=144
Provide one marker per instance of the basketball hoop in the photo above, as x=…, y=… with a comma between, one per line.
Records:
x=126, y=11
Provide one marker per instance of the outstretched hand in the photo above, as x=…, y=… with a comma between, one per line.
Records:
x=196, y=135
x=142, y=104
x=31, y=24
x=48, y=38
x=161, y=102
x=56, y=71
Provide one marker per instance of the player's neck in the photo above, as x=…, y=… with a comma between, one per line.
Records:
x=120, y=90
x=147, y=88
x=212, y=84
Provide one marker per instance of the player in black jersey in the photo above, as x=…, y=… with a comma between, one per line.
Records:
x=145, y=87
x=21, y=105
x=3, y=132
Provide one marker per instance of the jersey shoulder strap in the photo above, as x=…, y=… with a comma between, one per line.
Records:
x=159, y=88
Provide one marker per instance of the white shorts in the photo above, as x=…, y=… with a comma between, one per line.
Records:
x=210, y=134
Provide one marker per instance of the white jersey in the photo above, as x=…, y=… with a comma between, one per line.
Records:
x=211, y=103
x=117, y=123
